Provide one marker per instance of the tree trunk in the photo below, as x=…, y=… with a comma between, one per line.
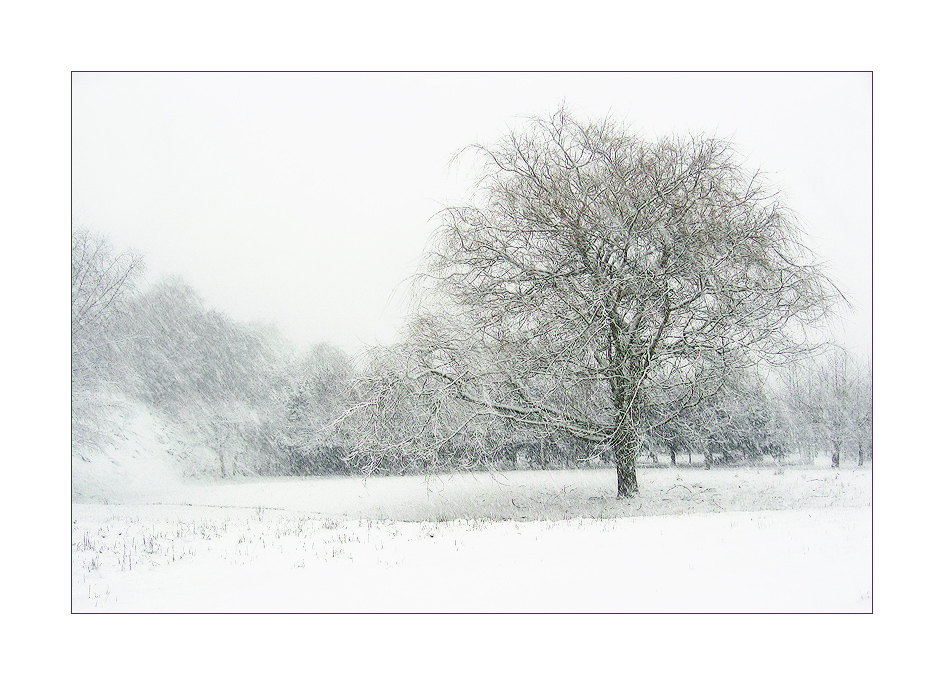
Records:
x=861, y=455
x=672, y=454
x=836, y=445
x=625, y=448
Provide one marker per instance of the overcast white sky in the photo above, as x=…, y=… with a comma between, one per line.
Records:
x=306, y=199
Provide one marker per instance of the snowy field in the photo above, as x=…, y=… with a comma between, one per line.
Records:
x=725, y=540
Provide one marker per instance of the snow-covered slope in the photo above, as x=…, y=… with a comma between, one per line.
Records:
x=136, y=456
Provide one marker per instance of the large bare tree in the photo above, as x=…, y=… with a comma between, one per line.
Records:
x=599, y=283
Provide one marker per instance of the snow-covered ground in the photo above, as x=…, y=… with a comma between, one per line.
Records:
x=728, y=540
x=154, y=531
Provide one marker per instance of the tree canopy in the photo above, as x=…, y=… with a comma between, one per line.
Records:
x=599, y=283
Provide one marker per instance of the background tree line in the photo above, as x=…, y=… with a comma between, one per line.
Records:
x=400, y=421
x=240, y=390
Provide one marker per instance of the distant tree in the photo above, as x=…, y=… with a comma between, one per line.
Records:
x=800, y=404
x=739, y=422
x=862, y=414
x=317, y=393
x=834, y=402
x=396, y=425
x=596, y=274
x=402, y=422
x=844, y=402
x=677, y=435
x=102, y=283
x=827, y=404
x=206, y=371
x=183, y=350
